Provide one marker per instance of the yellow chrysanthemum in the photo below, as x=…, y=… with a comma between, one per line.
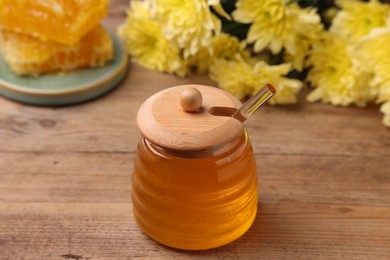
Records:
x=358, y=18
x=190, y=24
x=337, y=74
x=385, y=109
x=286, y=88
x=241, y=79
x=222, y=46
x=307, y=28
x=146, y=43
x=276, y=25
x=234, y=76
x=269, y=26
x=375, y=54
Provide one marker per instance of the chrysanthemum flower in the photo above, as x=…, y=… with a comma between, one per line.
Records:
x=241, y=79
x=358, y=18
x=190, y=24
x=307, y=28
x=146, y=43
x=385, y=109
x=337, y=73
x=234, y=76
x=269, y=26
x=375, y=54
x=286, y=88
x=276, y=25
x=221, y=46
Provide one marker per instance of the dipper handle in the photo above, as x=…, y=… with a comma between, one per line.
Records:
x=254, y=103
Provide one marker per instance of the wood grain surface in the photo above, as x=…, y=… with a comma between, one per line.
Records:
x=163, y=121
x=65, y=179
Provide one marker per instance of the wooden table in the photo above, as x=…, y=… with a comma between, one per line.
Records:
x=65, y=179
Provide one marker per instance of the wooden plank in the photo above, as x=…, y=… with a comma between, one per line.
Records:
x=65, y=203
x=317, y=129
x=101, y=125
x=108, y=124
x=107, y=230
x=65, y=178
x=105, y=177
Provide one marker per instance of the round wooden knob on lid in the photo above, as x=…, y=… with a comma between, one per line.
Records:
x=179, y=118
x=191, y=99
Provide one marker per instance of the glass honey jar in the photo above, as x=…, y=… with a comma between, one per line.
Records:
x=194, y=182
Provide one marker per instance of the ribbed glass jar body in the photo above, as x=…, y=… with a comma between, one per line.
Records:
x=194, y=201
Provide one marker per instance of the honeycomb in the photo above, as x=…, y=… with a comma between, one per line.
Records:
x=63, y=21
x=27, y=55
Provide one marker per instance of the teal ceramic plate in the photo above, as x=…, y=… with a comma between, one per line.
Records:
x=58, y=89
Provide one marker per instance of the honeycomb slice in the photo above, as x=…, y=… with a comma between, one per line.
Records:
x=27, y=55
x=63, y=21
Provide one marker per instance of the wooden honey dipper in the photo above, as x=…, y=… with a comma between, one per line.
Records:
x=191, y=101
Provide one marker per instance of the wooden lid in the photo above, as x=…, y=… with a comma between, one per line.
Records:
x=163, y=121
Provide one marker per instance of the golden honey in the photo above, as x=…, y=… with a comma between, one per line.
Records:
x=195, y=200
x=27, y=55
x=63, y=21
